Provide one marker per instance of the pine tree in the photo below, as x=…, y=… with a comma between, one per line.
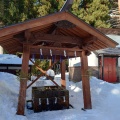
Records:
x=15, y=11
x=94, y=12
x=12, y=11
x=1, y=12
x=60, y=3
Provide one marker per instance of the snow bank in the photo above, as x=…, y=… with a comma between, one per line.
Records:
x=105, y=101
x=9, y=89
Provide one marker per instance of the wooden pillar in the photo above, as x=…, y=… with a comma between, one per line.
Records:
x=23, y=80
x=102, y=64
x=85, y=81
x=62, y=68
x=50, y=62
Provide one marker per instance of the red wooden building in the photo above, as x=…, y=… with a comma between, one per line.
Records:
x=108, y=59
x=108, y=65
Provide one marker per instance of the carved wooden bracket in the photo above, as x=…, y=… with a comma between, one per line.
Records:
x=64, y=24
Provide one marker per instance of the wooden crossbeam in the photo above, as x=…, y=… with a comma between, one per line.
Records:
x=54, y=38
x=44, y=73
x=56, y=48
x=34, y=80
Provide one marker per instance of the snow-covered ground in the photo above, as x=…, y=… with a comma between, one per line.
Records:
x=105, y=101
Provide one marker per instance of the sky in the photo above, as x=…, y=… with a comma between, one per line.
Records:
x=105, y=100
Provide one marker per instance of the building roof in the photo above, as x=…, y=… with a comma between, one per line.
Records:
x=11, y=59
x=116, y=37
x=109, y=51
x=59, y=32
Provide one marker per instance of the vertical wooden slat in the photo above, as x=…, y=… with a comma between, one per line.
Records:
x=85, y=81
x=102, y=64
x=62, y=68
x=50, y=62
x=23, y=80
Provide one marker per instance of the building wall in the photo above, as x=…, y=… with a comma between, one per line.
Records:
x=75, y=67
x=75, y=72
x=13, y=69
x=75, y=64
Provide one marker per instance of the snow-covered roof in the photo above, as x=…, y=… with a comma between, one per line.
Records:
x=11, y=59
x=111, y=51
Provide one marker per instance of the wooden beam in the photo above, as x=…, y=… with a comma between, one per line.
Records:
x=34, y=80
x=27, y=35
x=46, y=52
x=6, y=37
x=39, y=75
x=55, y=48
x=45, y=73
x=85, y=82
x=50, y=62
x=89, y=40
x=52, y=30
x=41, y=28
x=55, y=38
x=23, y=80
x=62, y=68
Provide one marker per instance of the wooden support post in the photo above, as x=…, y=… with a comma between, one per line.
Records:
x=50, y=62
x=85, y=82
x=23, y=80
x=102, y=64
x=62, y=68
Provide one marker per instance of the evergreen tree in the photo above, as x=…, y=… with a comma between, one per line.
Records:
x=60, y=3
x=11, y=11
x=15, y=11
x=1, y=12
x=94, y=12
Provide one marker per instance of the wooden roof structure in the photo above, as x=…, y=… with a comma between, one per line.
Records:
x=59, y=32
